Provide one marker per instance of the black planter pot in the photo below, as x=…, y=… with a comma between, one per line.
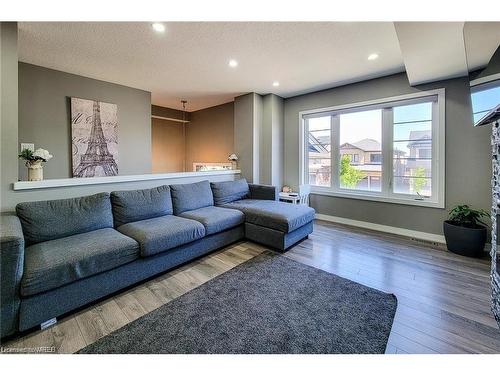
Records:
x=464, y=241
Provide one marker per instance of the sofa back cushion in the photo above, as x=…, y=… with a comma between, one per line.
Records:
x=136, y=205
x=187, y=197
x=230, y=191
x=49, y=220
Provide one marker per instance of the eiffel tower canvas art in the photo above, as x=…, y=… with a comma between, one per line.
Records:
x=94, y=129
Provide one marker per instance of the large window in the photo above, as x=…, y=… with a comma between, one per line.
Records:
x=389, y=150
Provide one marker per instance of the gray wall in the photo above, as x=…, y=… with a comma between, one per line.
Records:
x=247, y=124
x=278, y=123
x=8, y=126
x=468, y=164
x=266, y=138
x=44, y=118
x=492, y=68
x=271, y=141
x=257, y=134
x=258, y=137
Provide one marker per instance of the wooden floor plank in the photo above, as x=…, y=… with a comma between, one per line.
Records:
x=67, y=336
x=112, y=314
x=92, y=325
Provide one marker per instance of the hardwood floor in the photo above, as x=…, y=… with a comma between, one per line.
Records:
x=443, y=299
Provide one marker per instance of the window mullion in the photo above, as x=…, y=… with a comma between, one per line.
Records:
x=435, y=152
x=335, y=151
x=387, y=151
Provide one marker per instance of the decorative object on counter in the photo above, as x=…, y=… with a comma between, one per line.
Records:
x=203, y=167
x=464, y=231
x=34, y=160
x=233, y=158
x=286, y=189
x=94, y=132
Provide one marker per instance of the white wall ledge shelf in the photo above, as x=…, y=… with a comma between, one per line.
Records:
x=65, y=182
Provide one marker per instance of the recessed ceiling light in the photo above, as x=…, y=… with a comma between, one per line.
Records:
x=373, y=56
x=158, y=27
x=233, y=63
x=276, y=83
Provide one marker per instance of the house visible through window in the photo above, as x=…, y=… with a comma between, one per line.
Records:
x=388, y=150
x=360, y=135
x=412, y=171
x=319, y=146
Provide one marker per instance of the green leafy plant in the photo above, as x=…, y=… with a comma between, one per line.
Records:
x=418, y=182
x=27, y=155
x=465, y=216
x=349, y=176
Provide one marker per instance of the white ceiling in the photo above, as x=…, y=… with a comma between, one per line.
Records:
x=481, y=39
x=425, y=46
x=190, y=60
x=442, y=50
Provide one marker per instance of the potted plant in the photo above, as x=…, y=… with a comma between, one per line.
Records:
x=464, y=231
x=34, y=160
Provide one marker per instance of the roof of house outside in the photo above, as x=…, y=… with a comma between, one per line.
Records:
x=366, y=144
x=417, y=136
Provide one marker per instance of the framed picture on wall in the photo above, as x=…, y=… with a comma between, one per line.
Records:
x=94, y=133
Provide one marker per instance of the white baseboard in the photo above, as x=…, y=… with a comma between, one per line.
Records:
x=431, y=237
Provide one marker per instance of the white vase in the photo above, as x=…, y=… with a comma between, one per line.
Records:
x=35, y=171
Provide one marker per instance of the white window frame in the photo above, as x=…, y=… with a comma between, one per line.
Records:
x=483, y=84
x=437, y=199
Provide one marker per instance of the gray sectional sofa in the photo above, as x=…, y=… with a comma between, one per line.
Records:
x=57, y=256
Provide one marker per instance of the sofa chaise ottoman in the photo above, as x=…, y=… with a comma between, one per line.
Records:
x=267, y=221
x=60, y=255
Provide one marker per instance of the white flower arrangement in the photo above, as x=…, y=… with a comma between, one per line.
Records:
x=35, y=157
x=232, y=157
x=42, y=154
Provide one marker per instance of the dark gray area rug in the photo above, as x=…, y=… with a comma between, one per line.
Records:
x=269, y=304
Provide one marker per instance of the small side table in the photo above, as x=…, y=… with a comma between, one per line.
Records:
x=293, y=198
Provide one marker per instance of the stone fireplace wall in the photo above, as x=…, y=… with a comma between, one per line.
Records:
x=495, y=212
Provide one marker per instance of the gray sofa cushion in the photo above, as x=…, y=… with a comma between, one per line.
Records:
x=49, y=220
x=163, y=233
x=51, y=264
x=285, y=217
x=229, y=191
x=135, y=205
x=216, y=219
x=11, y=272
x=187, y=197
